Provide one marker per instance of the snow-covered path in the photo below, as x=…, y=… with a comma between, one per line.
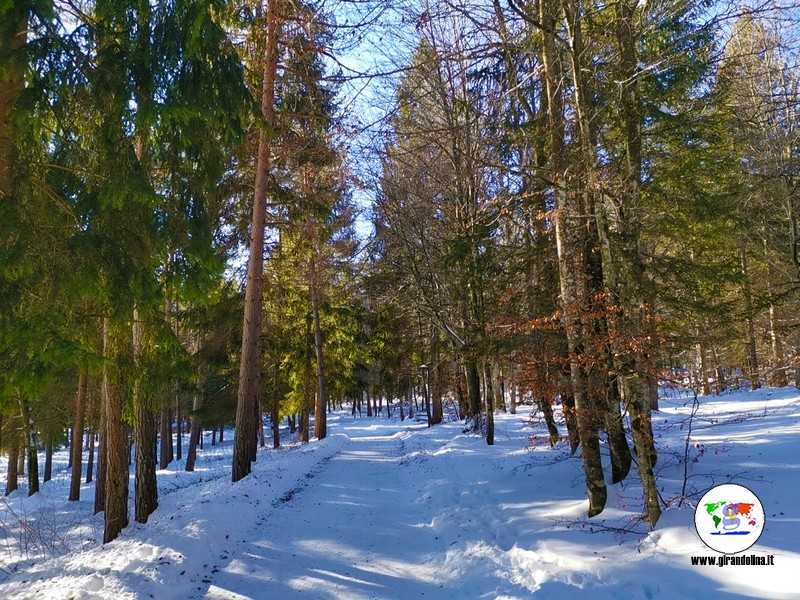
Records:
x=304, y=546
x=394, y=510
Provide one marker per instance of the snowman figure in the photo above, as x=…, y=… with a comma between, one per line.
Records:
x=729, y=519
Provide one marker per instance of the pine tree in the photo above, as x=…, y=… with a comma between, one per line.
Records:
x=248, y=404
x=311, y=177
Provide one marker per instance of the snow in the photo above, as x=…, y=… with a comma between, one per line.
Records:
x=391, y=509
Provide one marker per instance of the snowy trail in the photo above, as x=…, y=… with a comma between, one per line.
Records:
x=344, y=531
x=390, y=510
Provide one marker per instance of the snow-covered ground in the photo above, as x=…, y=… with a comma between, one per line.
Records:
x=384, y=509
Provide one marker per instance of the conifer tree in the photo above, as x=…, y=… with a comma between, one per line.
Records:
x=248, y=406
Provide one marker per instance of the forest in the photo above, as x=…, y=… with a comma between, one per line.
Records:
x=247, y=215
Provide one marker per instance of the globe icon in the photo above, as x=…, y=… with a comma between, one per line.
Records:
x=729, y=518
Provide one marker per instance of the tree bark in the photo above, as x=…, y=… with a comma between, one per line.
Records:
x=100, y=484
x=321, y=407
x=621, y=457
x=473, y=392
x=497, y=385
x=778, y=378
x=178, y=428
x=89, y=459
x=623, y=270
x=146, y=487
x=30, y=446
x=747, y=297
x=115, y=455
x=437, y=406
x=194, y=442
x=145, y=435
x=702, y=375
x=652, y=381
x=165, y=454
x=197, y=403
x=70, y=443
x=13, y=35
x=568, y=406
x=276, y=430
x=571, y=260
x=244, y=444
x=12, y=474
x=77, y=437
x=489, y=395
x=48, y=459
x=547, y=410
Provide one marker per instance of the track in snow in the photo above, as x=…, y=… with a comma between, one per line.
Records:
x=348, y=529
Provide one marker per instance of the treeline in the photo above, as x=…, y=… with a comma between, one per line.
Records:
x=573, y=203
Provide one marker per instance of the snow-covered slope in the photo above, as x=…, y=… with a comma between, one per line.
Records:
x=384, y=509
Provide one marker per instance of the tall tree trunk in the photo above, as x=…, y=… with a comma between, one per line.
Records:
x=77, y=437
x=623, y=270
x=165, y=454
x=747, y=297
x=30, y=446
x=321, y=408
x=497, y=386
x=262, y=437
x=244, y=444
x=426, y=394
x=13, y=35
x=89, y=460
x=48, y=459
x=778, y=378
x=178, y=428
x=115, y=456
x=652, y=381
x=543, y=402
x=489, y=395
x=197, y=403
x=571, y=260
x=473, y=381
x=145, y=435
x=70, y=443
x=146, y=488
x=276, y=430
x=702, y=375
x=100, y=484
x=194, y=442
x=12, y=474
x=308, y=403
x=621, y=457
x=437, y=406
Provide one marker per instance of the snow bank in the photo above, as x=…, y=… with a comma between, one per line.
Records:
x=384, y=509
